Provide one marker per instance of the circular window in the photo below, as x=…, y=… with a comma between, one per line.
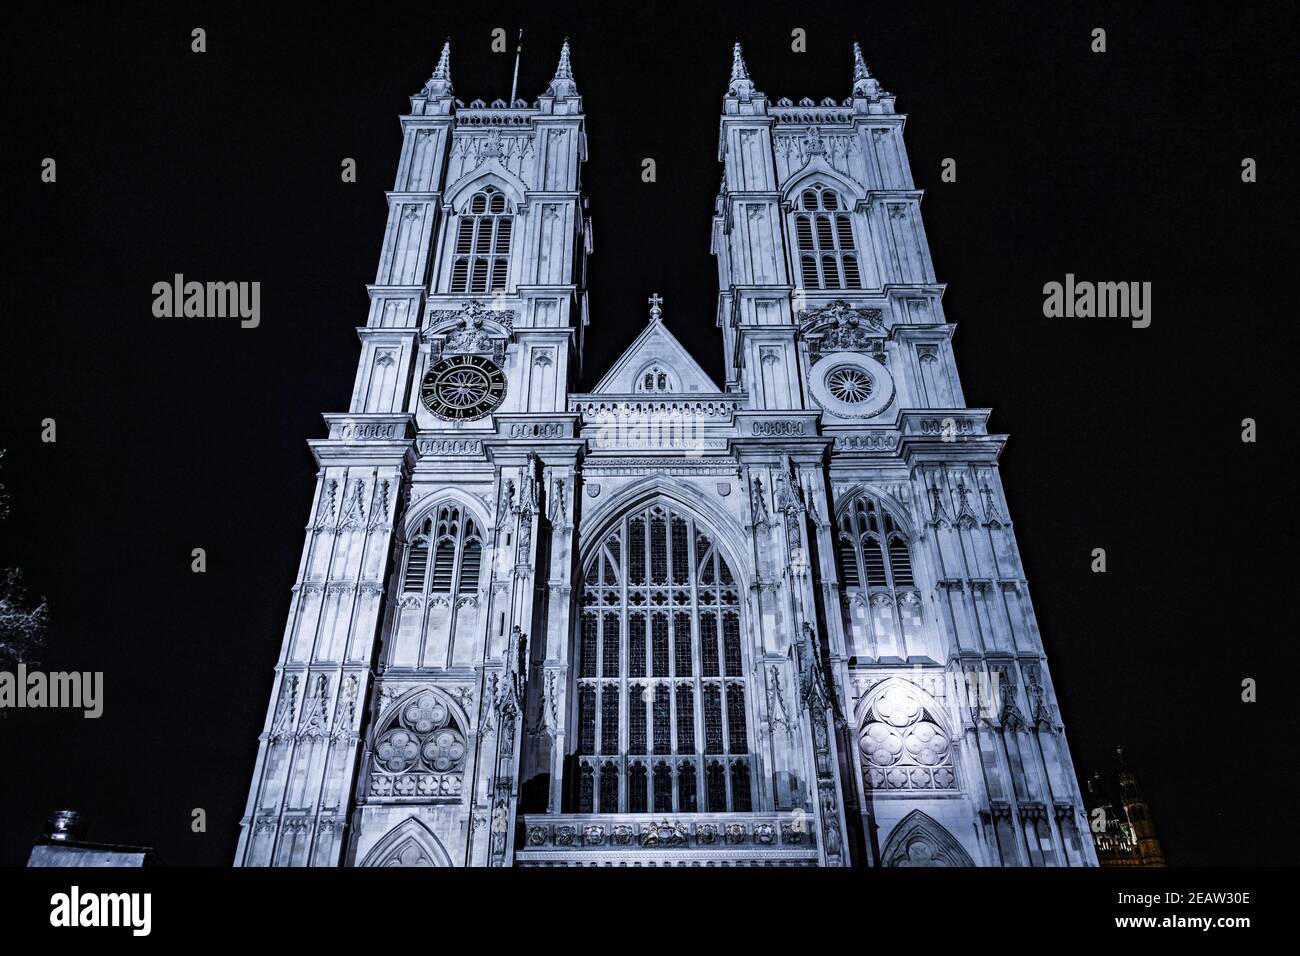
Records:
x=850, y=385
x=463, y=387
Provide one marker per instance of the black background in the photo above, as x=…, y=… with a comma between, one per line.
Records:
x=182, y=433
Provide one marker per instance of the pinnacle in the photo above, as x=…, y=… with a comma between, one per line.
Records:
x=741, y=85
x=863, y=82
x=562, y=84
x=439, y=84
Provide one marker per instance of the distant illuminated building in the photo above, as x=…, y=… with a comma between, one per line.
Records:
x=1123, y=833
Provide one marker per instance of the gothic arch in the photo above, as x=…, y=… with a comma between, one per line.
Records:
x=818, y=170
x=667, y=381
x=904, y=741
x=901, y=514
x=926, y=700
x=457, y=712
x=511, y=185
x=597, y=523
x=919, y=840
x=410, y=843
x=419, y=746
x=663, y=705
x=429, y=504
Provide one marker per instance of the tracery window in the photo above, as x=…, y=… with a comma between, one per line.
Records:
x=824, y=235
x=481, y=255
x=903, y=745
x=419, y=751
x=659, y=646
x=457, y=552
x=873, y=549
x=655, y=378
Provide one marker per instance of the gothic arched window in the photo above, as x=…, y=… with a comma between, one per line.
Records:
x=654, y=378
x=419, y=751
x=661, y=697
x=824, y=236
x=457, y=547
x=481, y=255
x=903, y=744
x=873, y=550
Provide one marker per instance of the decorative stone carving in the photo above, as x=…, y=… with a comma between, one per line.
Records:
x=839, y=327
x=664, y=834
x=282, y=726
x=420, y=751
x=471, y=336
x=919, y=841
x=325, y=512
x=903, y=745
x=315, y=712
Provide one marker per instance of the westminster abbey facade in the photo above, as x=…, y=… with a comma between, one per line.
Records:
x=776, y=621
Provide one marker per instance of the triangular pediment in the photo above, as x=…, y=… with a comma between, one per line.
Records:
x=656, y=347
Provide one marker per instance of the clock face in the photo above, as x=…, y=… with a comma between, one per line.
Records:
x=463, y=387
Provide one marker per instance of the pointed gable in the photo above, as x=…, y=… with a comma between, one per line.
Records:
x=656, y=347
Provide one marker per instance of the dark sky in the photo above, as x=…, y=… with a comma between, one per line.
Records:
x=176, y=434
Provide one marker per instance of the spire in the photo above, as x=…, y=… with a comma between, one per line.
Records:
x=863, y=83
x=562, y=84
x=741, y=85
x=440, y=83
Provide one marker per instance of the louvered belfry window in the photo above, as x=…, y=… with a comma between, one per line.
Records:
x=873, y=550
x=481, y=254
x=659, y=645
x=453, y=540
x=823, y=233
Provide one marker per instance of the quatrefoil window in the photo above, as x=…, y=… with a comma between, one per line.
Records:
x=422, y=737
x=904, y=746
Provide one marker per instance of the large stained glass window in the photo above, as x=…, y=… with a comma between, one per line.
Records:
x=659, y=647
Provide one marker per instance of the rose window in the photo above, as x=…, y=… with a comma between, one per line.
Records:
x=849, y=384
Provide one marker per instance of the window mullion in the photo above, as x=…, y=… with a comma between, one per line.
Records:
x=697, y=655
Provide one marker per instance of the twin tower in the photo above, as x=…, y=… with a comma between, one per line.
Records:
x=780, y=621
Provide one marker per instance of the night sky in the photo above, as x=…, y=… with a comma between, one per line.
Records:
x=182, y=433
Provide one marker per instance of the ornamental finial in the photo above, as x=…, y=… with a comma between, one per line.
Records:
x=656, y=311
x=863, y=82
x=741, y=85
x=440, y=83
x=562, y=84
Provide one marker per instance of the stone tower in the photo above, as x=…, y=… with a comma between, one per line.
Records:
x=663, y=622
x=1123, y=830
x=423, y=572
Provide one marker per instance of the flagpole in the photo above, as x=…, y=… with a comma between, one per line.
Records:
x=514, y=84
